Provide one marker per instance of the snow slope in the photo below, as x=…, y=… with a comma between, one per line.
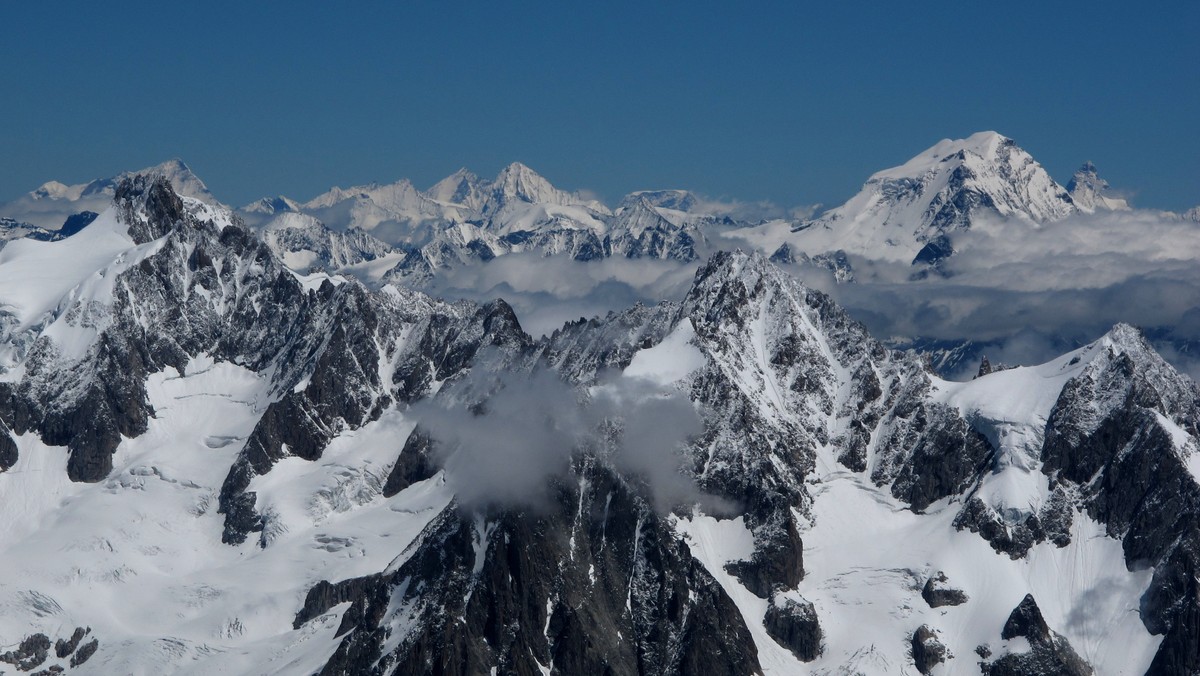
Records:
x=138, y=557
x=937, y=192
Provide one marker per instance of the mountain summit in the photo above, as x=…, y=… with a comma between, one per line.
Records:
x=1090, y=193
x=53, y=202
x=910, y=213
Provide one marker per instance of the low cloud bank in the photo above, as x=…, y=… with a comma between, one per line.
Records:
x=1036, y=291
x=547, y=292
x=1030, y=291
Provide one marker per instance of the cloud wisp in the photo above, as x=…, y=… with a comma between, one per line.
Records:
x=504, y=437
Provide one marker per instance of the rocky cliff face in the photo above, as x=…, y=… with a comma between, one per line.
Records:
x=1121, y=435
x=596, y=582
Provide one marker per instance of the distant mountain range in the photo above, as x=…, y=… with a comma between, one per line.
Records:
x=913, y=215
x=908, y=213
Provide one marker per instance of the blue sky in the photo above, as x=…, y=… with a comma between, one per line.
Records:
x=785, y=102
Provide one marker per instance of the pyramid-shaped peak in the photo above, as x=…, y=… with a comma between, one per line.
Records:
x=460, y=175
x=175, y=170
x=519, y=180
x=461, y=187
x=985, y=141
x=725, y=265
x=1126, y=338
x=515, y=168
x=173, y=165
x=1090, y=192
x=518, y=183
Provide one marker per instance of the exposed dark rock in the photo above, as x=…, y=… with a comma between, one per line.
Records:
x=338, y=386
x=934, y=252
x=237, y=504
x=85, y=652
x=938, y=593
x=1050, y=654
x=783, y=255
x=416, y=463
x=946, y=456
x=76, y=222
x=985, y=367
x=598, y=581
x=8, y=450
x=794, y=625
x=64, y=647
x=836, y=262
x=325, y=595
x=583, y=350
x=163, y=209
x=1026, y=620
x=615, y=592
x=30, y=653
x=1051, y=523
x=777, y=562
x=927, y=650
x=1170, y=605
x=1105, y=435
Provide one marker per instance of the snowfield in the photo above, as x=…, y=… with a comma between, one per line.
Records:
x=138, y=557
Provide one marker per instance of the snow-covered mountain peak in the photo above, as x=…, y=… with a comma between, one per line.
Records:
x=517, y=182
x=291, y=220
x=1127, y=339
x=733, y=283
x=183, y=181
x=462, y=187
x=394, y=196
x=181, y=177
x=677, y=200
x=306, y=245
x=638, y=215
x=986, y=145
x=53, y=190
x=272, y=205
x=1127, y=346
x=902, y=212
x=1090, y=193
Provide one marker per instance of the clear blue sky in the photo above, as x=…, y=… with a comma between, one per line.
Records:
x=779, y=101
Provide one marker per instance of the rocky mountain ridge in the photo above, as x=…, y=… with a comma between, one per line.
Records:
x=909, y=213
x=258, y=420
